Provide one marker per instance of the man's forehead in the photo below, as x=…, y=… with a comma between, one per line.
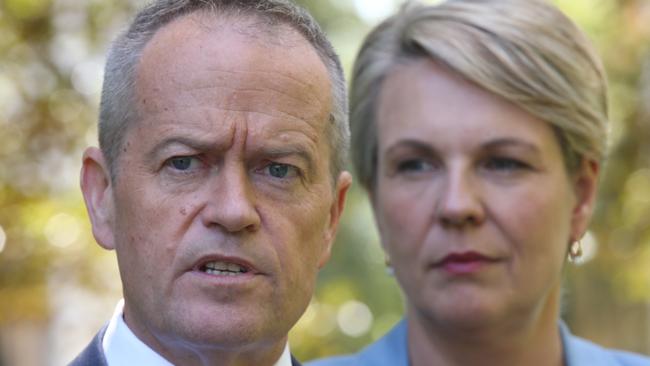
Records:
x=209, y=70
x=228, y=45
x=243, y=83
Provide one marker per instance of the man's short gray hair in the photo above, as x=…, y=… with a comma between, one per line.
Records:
x=525, y=51
x=118, y=107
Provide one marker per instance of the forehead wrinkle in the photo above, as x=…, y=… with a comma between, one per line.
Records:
x=272, y=115
x=239, y=90
x=274, y=75
x=311, y=115
x=198, y=139
x=168, y=120
x=233, y=96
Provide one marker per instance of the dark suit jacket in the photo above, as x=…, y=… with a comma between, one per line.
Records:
x=93, y=354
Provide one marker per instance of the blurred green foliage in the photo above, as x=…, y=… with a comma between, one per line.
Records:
x=51, y=57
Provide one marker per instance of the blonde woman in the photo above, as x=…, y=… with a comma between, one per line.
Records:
x=478, y=131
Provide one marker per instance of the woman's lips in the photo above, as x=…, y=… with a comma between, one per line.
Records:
x=464, y=263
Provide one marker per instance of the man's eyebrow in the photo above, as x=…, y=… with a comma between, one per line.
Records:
x=287, y=150
x=272, y=152
x=192, y=143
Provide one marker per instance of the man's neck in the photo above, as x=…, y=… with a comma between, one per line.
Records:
x=184, y=353
x=262, y=356
x=124, y=343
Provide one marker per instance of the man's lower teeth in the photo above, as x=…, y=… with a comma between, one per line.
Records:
x=221, y=273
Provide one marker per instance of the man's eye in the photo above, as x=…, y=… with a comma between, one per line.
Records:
x=181, y=162
x=278, y=170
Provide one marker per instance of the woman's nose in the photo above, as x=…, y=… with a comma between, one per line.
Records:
x=460, y=203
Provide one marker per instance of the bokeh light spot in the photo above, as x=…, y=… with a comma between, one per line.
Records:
x=62, y=230
x=3, y=239
x=87, y=77
x=372, y=11
x=319, y=319
x=354, y=318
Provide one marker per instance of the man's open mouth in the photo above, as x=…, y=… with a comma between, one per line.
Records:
x=223, y=268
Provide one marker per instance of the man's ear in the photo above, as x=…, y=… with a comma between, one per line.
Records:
x=343, y=183
x=585, y=183
x=97, y=189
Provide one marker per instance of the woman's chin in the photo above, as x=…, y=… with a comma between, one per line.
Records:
x=467, y=315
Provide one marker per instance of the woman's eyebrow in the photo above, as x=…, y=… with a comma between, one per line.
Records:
x=510, y=141
x=411, y=144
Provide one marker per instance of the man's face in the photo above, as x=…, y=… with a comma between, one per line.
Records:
x=223, y=208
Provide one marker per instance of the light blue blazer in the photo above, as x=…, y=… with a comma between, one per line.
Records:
x=391, y=350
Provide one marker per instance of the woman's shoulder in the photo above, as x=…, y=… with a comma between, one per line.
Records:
x=580, y=351
x=348, y=360
x=390, y=350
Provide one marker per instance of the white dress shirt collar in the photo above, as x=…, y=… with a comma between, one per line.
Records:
x=121, y=347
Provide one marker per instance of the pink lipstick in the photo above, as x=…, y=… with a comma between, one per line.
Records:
x=464, y=263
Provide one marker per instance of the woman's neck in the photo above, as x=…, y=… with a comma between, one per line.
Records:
x=530, y=339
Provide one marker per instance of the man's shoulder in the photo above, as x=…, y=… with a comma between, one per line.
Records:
x=390, y=350
x=93, y=354
x=583, y=352
x=295, y=362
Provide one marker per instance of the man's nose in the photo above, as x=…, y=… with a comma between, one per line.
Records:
x=231, y=202
x=460, y=202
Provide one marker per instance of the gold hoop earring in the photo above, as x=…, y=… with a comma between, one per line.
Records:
x=575, y=251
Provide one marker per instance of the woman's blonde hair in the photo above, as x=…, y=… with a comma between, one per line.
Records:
x=526, y=51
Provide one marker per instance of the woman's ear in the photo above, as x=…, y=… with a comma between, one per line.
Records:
x=585, y=184
x=97, y=189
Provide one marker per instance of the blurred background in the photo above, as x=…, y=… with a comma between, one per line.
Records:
x=57, y=287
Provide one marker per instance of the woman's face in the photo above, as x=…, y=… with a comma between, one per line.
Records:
x=472, y=199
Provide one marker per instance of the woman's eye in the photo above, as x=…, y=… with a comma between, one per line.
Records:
x=505, y=164
x=413, y=165
x=278, y=170
x=182, y=163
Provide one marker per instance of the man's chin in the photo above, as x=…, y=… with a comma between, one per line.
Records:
x=228, y=331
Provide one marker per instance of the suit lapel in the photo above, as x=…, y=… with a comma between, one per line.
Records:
x=93, y=354
x=295, y=362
